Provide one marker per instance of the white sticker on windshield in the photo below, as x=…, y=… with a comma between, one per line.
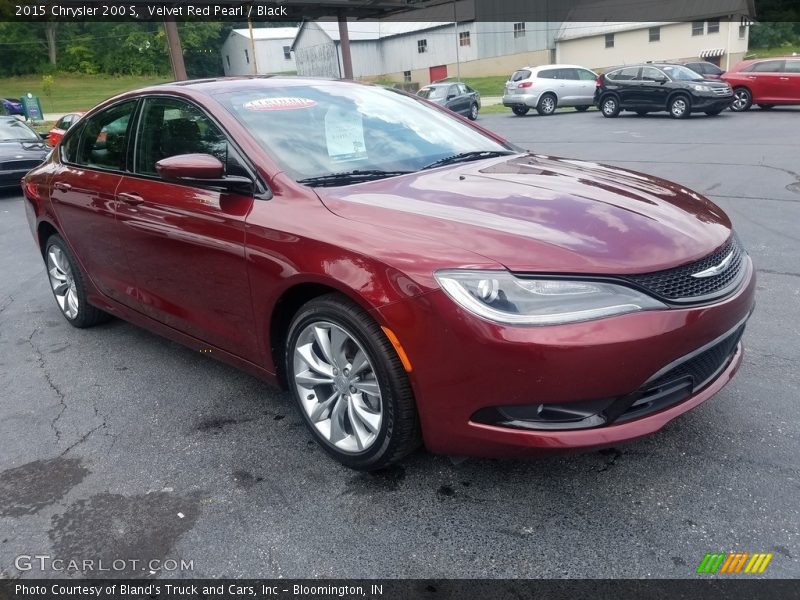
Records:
x=287, y=103
x=344, y=135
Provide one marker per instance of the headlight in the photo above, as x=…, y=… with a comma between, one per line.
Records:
x=701, y=88
x=501, y=297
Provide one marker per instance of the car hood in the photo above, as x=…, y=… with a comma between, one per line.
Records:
x=12, y=150
x=544, y=214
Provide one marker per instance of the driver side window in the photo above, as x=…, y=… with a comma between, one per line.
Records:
x=169, y=127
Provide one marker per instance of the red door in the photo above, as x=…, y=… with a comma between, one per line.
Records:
x=437, y=73
x=186, y=244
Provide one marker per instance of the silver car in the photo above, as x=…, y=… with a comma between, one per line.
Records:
x=547, y=87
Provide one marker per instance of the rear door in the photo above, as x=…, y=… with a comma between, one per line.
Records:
x=767, y=83
x=791, y=71
x=587, y=84
x=83, y=194
x=186, y=243
x=626, y=83
x=569, y=86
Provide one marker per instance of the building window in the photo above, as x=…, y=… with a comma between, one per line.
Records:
x=655, y=34
x=609, y=40
x=519, y=30
x=247, y=56
x=463, y=38
x=697, y=27
x=407, y=76
x=713, y=26
x=422, y=46
x=742, y=31
x=287, y=52
x=228, y=58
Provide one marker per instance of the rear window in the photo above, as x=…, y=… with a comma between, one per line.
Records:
x=548, y=74
x=792, y=66
x=768, y=66
x=627, y=74
x=432, y=93
x=520, y=75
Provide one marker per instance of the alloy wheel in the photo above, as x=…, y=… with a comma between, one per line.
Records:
x=62, y=281
x=548, y=105
x=337, y=386
x=741, y=100
x=609, y=106
x=678, y=108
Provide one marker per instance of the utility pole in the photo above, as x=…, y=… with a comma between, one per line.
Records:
x=175, y=51
x=253, y=46
x=458, y=42
x=344, y=42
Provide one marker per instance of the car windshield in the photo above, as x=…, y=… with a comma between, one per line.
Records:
x=680, y=73
x=330, y=128
x=432, y=93
x=12, y=129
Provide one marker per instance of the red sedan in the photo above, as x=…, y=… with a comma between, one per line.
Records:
x=767, y=82
x=406, y=274
x=61, y=127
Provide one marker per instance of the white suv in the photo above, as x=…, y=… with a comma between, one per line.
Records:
x=547, y=87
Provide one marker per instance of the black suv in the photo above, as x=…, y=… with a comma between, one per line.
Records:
x=660, y=87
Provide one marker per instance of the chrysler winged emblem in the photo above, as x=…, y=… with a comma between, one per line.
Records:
x=715, y=270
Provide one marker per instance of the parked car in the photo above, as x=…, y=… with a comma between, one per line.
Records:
x=707, y=69
x=660, y=87
x=61, y=127
x=12, y=106
x=21, y=149
x=765, y=81
x=456, y=96
x=547, y=87
x=405, y=273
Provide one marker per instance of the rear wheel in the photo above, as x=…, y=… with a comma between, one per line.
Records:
x=547, y=105
x=742, y=100
x=350, y=385
x=609, y=106
x=67, y=284
x=520, y=111
x=582, y=108
x=680, y=107
x=473, y=112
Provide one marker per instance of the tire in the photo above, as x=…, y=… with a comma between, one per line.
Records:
x=766, y=106
x=67, y=282
x=609, y=106
x=714, y=113
x=328, y=336
x=680, y=107
x=742, y=100
x=582, y=108
x=520, y=111
x=547, y=105
x=473, y=112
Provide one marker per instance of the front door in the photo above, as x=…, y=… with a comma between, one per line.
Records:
x=186, y=243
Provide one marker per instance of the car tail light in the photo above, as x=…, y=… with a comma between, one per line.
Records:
x=525, y=84
x=598, y=82
x=31, y=190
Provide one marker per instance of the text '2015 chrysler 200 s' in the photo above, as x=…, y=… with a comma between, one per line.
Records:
x=407, y=275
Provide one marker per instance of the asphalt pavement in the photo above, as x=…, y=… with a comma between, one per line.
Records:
x=118, y=444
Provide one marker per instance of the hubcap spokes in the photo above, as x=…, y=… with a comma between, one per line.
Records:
x=337, y=386
x=62, y=282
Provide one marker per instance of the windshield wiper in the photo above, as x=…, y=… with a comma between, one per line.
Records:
x=356, y=176
x=467, y=156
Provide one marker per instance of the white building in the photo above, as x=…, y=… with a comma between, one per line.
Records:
x=272, y=51
x=422, y=52
x=718, y=35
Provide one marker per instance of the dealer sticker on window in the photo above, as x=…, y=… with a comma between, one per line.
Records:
x=344, y=135
x=282, y=103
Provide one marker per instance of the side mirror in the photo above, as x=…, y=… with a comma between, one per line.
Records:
x=201, y=169
x=663, y=80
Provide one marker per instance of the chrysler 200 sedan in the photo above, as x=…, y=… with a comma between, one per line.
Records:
x=407, y=275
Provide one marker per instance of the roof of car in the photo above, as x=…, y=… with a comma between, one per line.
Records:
x=224, y=84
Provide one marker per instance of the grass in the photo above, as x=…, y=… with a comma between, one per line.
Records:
x=785, y=50
x=74, y=92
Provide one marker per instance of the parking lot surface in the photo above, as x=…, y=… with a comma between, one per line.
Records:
x=118, y=444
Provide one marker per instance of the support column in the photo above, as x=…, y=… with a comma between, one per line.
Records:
x=344, y=40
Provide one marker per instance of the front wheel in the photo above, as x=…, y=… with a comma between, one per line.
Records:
x=547, y=105
x=520, y=111
x=679, y=107
x=609, y=106
x=350, y=385
x=473, y=112
x=742, y=100
x=67, y=284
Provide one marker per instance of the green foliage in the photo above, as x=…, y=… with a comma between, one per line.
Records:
x=770, y=35
x=48, y=81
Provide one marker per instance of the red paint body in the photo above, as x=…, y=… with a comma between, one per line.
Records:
x=778, y=85
x=61, y=127
x=208, y=269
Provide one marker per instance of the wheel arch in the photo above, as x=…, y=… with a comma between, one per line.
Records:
x=44, y=230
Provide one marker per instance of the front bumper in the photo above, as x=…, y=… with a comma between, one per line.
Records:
x=529, y=100
x=711, y=102
x=462, y=365
x=12, y=179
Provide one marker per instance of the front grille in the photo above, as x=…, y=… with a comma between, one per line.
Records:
x=726, y=91
x=678, y=285
x=19, y=165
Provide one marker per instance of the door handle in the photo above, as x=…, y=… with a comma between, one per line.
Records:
x=61, y=186
x=132, y=199
x=784, y=79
